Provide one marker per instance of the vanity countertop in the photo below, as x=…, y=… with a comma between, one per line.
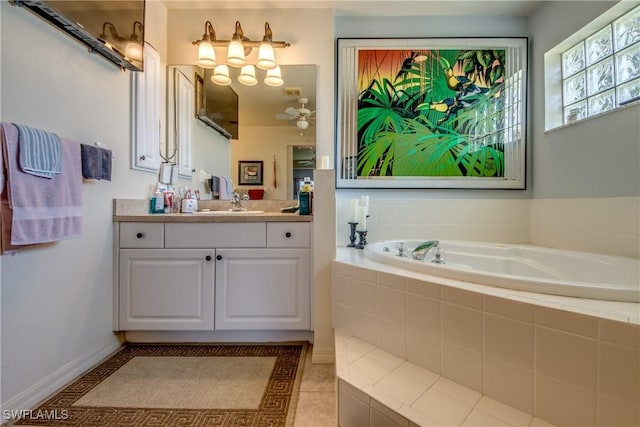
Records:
x=179, y=217
x=136, y=210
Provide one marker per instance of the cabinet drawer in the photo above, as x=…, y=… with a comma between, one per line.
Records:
x=288, y=235
x=212, y=235
x=141, y=235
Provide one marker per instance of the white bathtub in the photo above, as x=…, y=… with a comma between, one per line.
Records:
x=523, y=267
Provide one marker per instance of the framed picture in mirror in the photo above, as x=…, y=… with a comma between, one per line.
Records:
x=199, y=94
x=250, y=172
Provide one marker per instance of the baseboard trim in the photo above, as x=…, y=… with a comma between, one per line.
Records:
x=217, y=336
x=37, y=392
x=323, y=354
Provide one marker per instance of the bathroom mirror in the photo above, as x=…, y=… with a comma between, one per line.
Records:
x=268, y=126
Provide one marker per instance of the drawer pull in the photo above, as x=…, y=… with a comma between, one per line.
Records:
x=208, y=257
x=219, y=257
x=140, y=235
x=287, y=234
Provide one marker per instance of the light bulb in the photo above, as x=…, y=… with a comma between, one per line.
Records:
x=266, y=57
x=133, y=51
x=235, y=54
x=206, y=55
x=248, y=75
x=221, y=75
x=274, y=77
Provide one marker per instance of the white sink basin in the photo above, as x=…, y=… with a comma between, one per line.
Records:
x=229, y=212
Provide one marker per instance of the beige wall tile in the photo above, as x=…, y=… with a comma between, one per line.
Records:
x=567, y=357
x=510, y=309
x=509, y=340
x=462, y=365
x=340, y=289
x=564, y=404
x=443, y=409
x=504, y=412
x=424, y=350
x=391, y=305
x=619, y=333
x=619, y=372
x=613, y=412
x=457, y=391
x=365, y=274
x=391, y=281
x=363, y=326
x=364, y=296
x=479, y=418
x=424, y=289
x=423, y=314
x=461, y=297
x=462, y=326
x=569, y=322
x=508, y=383
x=341, y=268
x=392, y=338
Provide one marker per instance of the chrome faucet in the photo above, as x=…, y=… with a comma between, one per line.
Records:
x=236, y=202
x=420, y=252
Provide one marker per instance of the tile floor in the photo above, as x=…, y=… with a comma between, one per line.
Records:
x=317, y=398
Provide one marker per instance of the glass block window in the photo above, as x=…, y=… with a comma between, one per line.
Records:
x=602, y=72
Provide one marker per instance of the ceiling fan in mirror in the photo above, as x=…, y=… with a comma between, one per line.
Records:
x=301, y=116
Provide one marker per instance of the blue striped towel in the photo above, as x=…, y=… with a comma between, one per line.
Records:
x=39, y=152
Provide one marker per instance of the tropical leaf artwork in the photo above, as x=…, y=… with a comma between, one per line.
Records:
x=429, y=112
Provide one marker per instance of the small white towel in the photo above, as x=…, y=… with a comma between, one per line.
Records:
x=39, y=152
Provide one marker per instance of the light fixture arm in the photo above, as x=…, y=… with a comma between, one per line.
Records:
x=112, y=29
x=210, y=35
x=134, y=36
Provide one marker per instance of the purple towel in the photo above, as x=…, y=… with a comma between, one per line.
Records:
x=43, y=210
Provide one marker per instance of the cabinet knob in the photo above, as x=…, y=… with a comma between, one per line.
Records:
x=143, y=157
x=218, y=257
x=287, y=234
x=140, y=235
x=208, y=257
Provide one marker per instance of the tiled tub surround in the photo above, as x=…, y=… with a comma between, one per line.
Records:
x=568, y=361
x=609, y=225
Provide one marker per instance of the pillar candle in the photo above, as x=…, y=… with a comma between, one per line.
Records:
x=362, y=219
x=324, y=164
x=353, y=212
x=364, y=201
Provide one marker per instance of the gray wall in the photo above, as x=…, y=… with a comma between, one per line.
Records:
x=599, y=157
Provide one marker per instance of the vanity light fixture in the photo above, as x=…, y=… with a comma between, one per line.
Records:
x=133, y=48
x=238, y=48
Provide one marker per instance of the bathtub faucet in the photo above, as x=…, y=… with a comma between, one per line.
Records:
x=423, y=248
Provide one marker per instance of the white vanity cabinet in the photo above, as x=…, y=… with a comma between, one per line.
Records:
x=162, y=289
x=262, y=289
x=214, y=276
x=166, y=289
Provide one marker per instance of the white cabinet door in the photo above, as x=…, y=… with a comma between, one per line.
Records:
x=262, y=289
x=184, y=114
x=166, y=289
x=148, y=101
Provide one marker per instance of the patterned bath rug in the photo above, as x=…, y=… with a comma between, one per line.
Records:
x=251, y=385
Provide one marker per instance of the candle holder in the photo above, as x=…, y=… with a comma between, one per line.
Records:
x=362, y=235
x=352, y=234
